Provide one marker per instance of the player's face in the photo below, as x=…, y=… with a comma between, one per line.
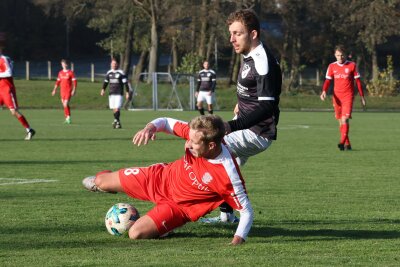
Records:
x=206, y=65
x=240, y=38
x=114, y=65
x=64, y=65
x=196, y=145
x=340, y=57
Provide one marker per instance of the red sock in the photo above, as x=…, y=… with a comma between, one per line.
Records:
x=347, y=141
x=24, y=122
x=67, y=112
x=344, y=130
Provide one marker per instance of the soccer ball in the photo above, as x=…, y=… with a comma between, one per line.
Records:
x=120, y=217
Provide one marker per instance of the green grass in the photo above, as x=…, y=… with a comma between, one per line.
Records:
x=37, y=94
x=314, y=205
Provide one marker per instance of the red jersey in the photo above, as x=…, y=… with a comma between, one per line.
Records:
x=199, y=185
x=8, y=95
x=343, y=76
x=65, y=80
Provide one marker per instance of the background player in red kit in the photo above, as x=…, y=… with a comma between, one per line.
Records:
x=8, y=95
x=187, y=188
x=67, y=82
x=343, y=73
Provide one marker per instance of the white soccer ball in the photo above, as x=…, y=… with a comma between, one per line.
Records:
x=120, y=217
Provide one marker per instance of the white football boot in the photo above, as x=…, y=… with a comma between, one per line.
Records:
x=90, y=185
x=224, y=217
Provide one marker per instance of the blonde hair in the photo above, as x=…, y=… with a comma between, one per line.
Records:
x=211, y=127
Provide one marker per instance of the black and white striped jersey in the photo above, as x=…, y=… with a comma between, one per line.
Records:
x=206, y=81
x=258, y=91
x=116, y=79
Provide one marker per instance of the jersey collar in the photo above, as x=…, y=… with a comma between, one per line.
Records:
x=254, y=51
x=344, y=63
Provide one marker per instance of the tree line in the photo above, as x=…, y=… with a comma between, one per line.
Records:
x=302, y=33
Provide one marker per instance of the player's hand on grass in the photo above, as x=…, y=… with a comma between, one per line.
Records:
x=144, y=135
x=53, y=92
x=102, y=92
x=237, y=240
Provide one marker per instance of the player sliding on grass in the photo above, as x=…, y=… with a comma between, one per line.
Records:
x=343, y=73
x=67, y=82
x=186, y=189
x=8, y=94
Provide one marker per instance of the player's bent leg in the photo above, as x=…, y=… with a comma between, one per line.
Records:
x=144, y=228
x=95, y=183
x=108, y=181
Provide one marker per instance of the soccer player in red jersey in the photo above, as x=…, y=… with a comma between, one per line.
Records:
x=186, y=189
x=8, y=95
x=343, y=73
x=67, y=82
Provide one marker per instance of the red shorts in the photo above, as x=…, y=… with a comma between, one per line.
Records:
x=65, y=94
x=143, y=184
x=8, y=95
x=343, y=106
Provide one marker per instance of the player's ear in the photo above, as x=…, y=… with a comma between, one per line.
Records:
x=253, y=34
x=212, y=145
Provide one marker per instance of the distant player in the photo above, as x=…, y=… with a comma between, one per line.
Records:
x=186, y=189
x=343, y=73
x=258, y=94
x=8, y=95
x=67, y=82
x=116, y=80
x=206, y=83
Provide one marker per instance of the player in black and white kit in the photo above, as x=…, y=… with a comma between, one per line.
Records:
x=116, y=79
x=258, y=91
x=206, y=83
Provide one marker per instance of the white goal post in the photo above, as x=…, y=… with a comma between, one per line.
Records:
x=165, y=91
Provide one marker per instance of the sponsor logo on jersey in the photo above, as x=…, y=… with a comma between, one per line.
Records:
x=245, y=70
x=117, y=75
x=346, y=70
x=192, y=176
x=207, y=178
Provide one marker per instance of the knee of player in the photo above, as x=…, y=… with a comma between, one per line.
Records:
x=14, y=112
x=101, y=179
x=135, y=233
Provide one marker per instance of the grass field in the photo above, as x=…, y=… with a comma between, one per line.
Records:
x=36, y=94
x=314, y=205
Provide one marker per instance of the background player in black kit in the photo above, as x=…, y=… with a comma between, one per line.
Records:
x=258, y=90
x=116, y=80
x=206, y=83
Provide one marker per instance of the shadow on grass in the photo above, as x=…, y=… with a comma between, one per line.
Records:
x=307, y=234
x=83, y=235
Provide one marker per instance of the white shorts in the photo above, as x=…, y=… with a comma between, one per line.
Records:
x=115, y=101
x=208, y=97
x=245, y=143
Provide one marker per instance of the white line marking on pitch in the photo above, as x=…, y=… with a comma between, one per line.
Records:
x=9, y=181
x=293, y=126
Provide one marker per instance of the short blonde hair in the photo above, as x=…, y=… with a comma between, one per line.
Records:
x=211, y=126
